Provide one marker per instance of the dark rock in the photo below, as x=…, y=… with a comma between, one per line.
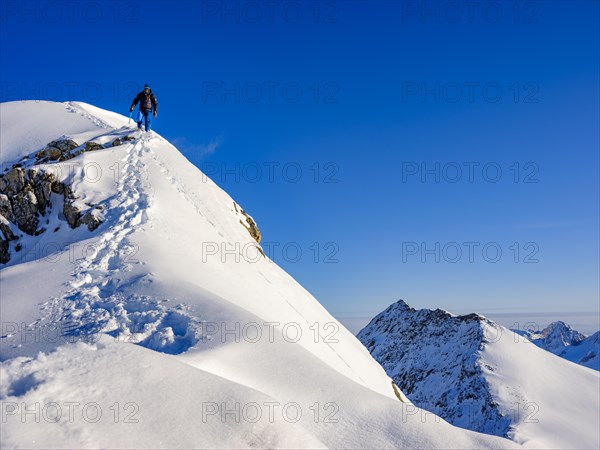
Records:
x=25, y=194
x=4, y=252
x=49, y=154
x=57, y=187
x=25, y=211
x=68, y=193
x=64, y=145
x=91, y=146
x=72, y=214
x=91, y=220
x=57, y=150
x=5, y=207
x=13, y=181
x=116, y=142
x=42, y=187
x=252, y=227
x=6, y=232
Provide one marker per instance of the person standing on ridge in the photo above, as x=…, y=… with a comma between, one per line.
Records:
x=148, y=107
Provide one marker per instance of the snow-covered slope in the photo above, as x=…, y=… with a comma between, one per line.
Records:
x=586, y=352
x=232, y=351
x=562, y=340
x=479, y=375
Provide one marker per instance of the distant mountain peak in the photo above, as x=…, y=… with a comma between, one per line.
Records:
x=561, y=328
x=555, y=337
x=401, y=305
x=477, y=374
x=418, y=348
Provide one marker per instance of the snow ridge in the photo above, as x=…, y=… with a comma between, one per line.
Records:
x=94, y=304
x=163, y=271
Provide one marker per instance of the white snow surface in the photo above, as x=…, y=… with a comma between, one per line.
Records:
x=586, y=352
x=232, y=352
x=554, y=402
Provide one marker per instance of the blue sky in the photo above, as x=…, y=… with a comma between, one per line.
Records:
x=399, y=146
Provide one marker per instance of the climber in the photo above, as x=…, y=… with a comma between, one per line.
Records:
x=148, y=106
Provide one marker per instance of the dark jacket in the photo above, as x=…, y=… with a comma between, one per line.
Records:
x=147, y=101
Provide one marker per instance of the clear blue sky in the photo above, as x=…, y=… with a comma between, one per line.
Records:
x=377, y=98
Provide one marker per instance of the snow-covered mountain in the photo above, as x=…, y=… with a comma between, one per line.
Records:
x=479, y=375
x=562, y=340
x=109, y=239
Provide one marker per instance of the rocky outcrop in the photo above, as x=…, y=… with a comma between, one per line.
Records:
x=26, y=193
x=91, y=219
x=72, y=212
x=6, y=232
x=5, y=207
x=91, y=146
x=119, y=141
x=58, y=150
x=63, y=149
x=252, y=227
x=249, y=224
x=12, y=182
x=42, y=184
x=6, y=235
x=4, y=251
x=25, y=210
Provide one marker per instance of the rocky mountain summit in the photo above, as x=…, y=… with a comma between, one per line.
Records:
x=433, y=356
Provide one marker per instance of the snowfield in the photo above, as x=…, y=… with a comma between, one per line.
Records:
x=165, y=327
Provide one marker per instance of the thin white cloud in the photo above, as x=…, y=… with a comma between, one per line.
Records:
x=198, y=150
